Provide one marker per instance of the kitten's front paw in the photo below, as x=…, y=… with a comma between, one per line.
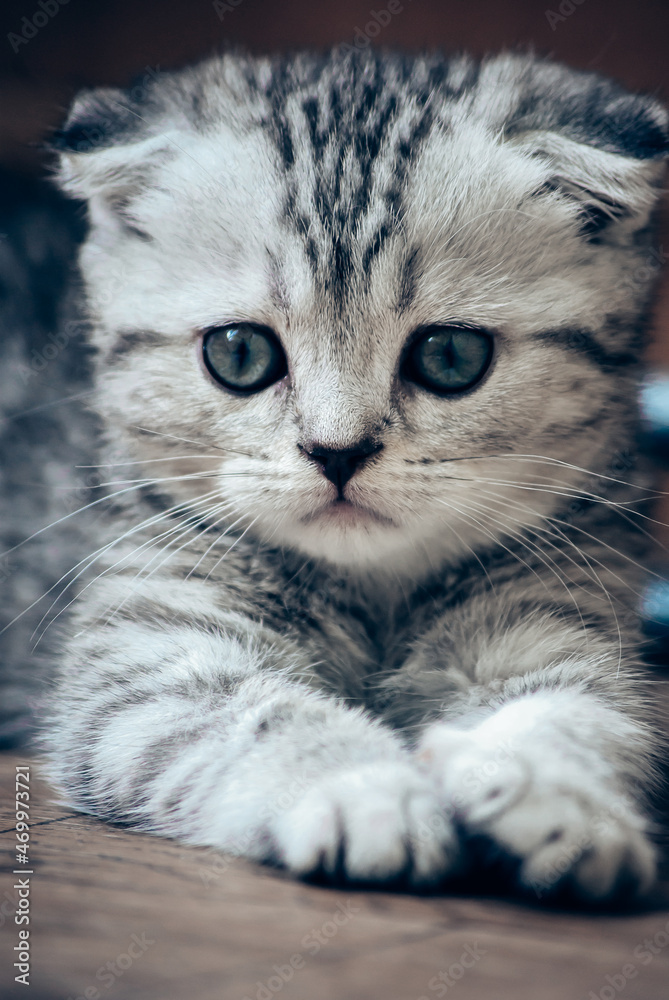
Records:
x=547, y=813
x=376, y=823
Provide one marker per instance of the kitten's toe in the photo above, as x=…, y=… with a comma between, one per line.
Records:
x=308, y=835
x=376, y=823
x=476, y=778
x=432, y=842
x=559, y=823
x=596, y=848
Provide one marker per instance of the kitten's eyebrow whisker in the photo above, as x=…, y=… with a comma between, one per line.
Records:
x=209, y=248
x=481, y=217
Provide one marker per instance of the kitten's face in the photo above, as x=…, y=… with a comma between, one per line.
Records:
x=476, y=239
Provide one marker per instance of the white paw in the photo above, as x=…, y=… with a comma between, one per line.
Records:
x=542, y=809
x=371, y=823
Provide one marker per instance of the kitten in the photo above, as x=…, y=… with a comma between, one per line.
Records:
x=367, y=330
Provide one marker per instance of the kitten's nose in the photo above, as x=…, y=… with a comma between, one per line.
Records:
x=340, y=464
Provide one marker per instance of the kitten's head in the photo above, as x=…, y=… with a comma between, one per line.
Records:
x=362, y=291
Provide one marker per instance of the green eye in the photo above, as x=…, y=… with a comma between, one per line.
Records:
x=244, y=357
x=448, y=358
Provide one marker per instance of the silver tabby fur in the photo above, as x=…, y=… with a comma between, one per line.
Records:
x=454, y=656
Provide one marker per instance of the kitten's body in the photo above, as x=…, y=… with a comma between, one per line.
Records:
x=360, y=686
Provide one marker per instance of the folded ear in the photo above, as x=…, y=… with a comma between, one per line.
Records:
x=613, y=192
x=109, y=145
x=604, y=148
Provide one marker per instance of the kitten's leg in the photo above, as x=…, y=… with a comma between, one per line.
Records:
x=205, y=735
x=553, y=765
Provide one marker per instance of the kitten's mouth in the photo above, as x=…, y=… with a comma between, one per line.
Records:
x=345, y=512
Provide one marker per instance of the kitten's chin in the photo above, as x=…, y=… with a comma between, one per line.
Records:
x=348, y=534
x=358, y=537
x=345, y=515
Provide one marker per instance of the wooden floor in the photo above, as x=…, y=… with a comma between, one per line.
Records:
x=117, y=914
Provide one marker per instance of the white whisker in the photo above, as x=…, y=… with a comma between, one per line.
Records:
x=89, y=560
